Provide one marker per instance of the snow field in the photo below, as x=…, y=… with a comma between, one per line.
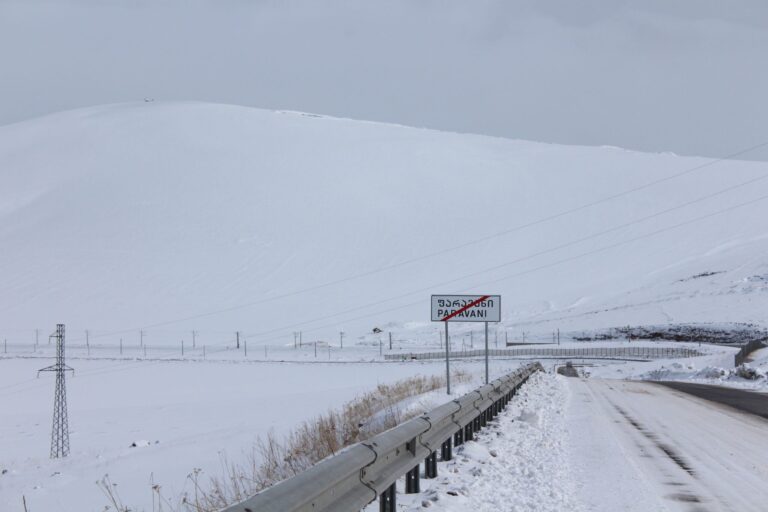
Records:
x=181, y=415
x=518, y=463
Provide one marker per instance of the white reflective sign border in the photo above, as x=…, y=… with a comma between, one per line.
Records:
x=459, y=308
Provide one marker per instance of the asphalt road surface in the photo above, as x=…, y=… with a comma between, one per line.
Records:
x=746, y=401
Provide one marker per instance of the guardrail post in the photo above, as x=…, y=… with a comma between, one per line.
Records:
x=458, y=437
x=430, y=466
x=388, y=499
x=484, y=417
x=446, y=450
x=412, y=484
x=477, y=422
x=468, y=432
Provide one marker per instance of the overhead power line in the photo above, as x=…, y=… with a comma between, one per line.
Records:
x=493, y=281
x=446, y=250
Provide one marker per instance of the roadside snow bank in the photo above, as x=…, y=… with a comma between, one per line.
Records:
x=518, y=463
x=744, y=376
x=751, y=375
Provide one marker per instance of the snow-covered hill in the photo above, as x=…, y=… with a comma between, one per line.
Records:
x=173, y=216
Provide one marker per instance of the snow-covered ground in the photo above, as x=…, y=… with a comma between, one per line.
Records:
x=143, y=226
x=165, y=218
x=182, y=415
x=518, y=463
x=752, y=375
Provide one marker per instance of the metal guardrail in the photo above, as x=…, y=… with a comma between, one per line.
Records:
x=596, y=352
x=368, y=470
x=745, y=350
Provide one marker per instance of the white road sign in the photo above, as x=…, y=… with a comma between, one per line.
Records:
x=466, y=308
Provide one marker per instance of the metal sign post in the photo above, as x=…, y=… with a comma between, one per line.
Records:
x=465, y=308
x=486, y=352
x=447, y=360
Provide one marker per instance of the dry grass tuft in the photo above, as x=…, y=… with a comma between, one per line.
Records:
x=272, y=459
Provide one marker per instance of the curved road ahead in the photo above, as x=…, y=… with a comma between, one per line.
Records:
x=743, y=400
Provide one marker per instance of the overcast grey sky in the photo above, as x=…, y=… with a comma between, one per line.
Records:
x=687, y=76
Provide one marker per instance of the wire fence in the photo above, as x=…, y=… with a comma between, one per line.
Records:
x=587, y=352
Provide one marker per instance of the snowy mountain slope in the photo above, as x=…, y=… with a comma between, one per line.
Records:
x=158, y=215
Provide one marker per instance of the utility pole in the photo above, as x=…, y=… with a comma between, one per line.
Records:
x=60, y=430
x=341, y=339
x=295, y=339
x=471, y=340
x=441, y=338
x=506, y=338
x=194, y=340
x=390, y=341
x=141, y=338
x=315, y=348
x=558, y=336
x=237, y=334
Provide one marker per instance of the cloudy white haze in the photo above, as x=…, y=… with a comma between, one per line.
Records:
x=684, y=76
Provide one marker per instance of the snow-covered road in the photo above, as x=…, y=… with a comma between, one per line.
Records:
x=639, y=447
x=605, y=446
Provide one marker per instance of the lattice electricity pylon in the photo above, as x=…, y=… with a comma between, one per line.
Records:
x=60, y=432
